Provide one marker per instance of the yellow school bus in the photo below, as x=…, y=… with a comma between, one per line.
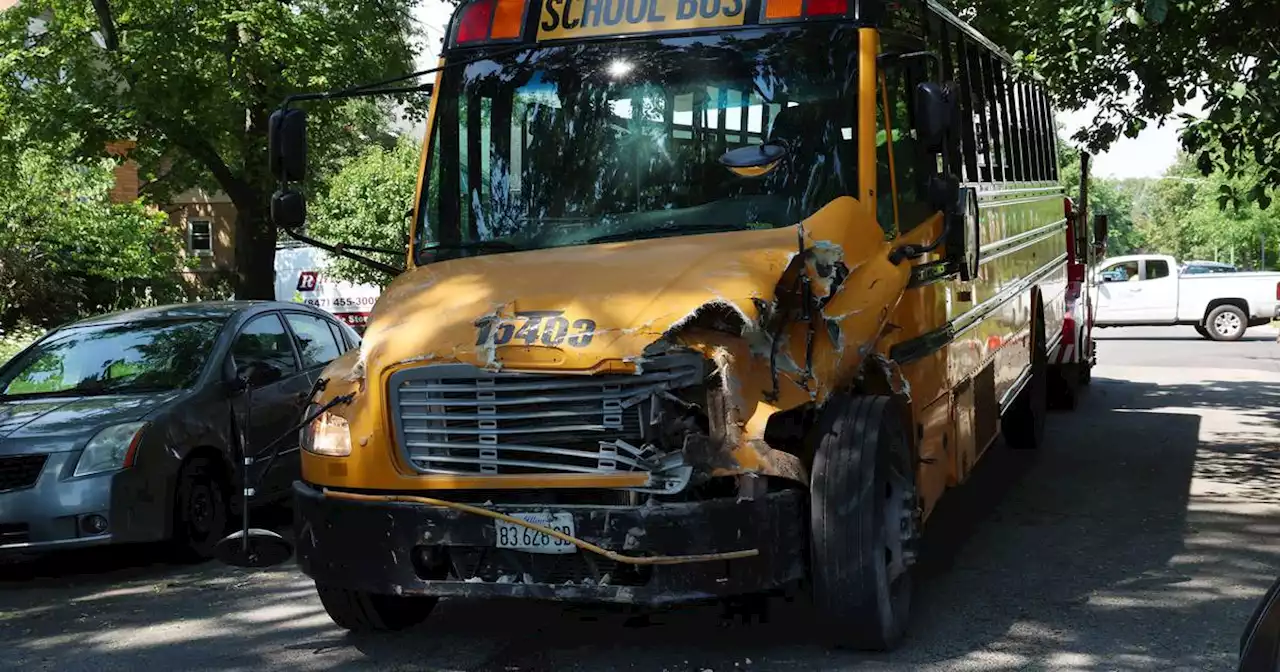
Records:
x=704, y=298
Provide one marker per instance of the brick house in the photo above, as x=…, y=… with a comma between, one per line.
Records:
x=205, y=221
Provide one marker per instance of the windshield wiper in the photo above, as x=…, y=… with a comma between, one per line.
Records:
x=659, y=231
x=118, y=387
x=491, y=245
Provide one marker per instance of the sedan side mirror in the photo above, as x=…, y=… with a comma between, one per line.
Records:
x=232, y=382
x=237, y=379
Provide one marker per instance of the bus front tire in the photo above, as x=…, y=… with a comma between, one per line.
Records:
x=360, y=611
x=863, y=524
x=1023, y=424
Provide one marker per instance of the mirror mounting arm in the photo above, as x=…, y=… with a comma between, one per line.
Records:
x=904, y=252
x=362, y=92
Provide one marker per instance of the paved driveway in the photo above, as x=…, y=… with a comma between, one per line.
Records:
x=1140, y=538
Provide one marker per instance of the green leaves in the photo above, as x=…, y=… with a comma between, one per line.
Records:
x=1156, y=10
x=66, y=250
x=366, y=204
x=192, y=82
x=1137, y=61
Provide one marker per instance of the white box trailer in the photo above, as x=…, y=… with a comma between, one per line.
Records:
x=301, y=278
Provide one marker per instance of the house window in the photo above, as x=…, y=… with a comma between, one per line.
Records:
x=200, y=237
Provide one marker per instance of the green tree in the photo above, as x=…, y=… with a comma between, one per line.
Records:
x=67, y=250
x=1113, y=198
x=1186, y=218
x=366, y=204
x=193, y=83
x=1140, y=59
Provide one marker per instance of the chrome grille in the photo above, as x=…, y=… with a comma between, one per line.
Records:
x=460, y=419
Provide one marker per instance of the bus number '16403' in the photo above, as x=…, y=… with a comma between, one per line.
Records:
x=546, y=327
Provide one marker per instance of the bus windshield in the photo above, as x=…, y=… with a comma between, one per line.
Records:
x=616, y=140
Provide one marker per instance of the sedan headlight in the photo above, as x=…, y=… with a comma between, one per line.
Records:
x=113, y=448
x=327, y=435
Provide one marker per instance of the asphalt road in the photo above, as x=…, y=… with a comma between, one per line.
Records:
x=1140, y=538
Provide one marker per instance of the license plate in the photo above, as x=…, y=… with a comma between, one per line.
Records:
x=521, y=538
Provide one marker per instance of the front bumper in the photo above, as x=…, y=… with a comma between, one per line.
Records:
x=47, y=515
x=411, y=549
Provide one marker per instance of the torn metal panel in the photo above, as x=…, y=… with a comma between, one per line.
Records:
x=785, y=318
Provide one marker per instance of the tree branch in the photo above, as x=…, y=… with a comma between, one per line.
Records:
x=103, y=9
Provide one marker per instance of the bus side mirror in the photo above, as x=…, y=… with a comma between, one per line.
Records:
x=935, y=115
x=288, y=209
x=1099, y=234
x=287, y=144
x=1100, y=228
x=964, y=237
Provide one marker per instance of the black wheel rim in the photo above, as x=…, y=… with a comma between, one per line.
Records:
x=201, y=513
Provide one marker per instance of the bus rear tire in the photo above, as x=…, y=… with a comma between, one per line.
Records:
x=360, y=611
x=1065, y=392
x=863, y=524
x=1023, y=424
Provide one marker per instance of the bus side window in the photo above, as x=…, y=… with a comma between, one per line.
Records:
x=908, y=169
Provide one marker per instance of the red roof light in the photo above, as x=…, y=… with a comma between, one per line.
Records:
x=825, y=7
x=475, y=21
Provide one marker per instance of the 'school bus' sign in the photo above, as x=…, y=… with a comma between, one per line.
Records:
x=568, y=19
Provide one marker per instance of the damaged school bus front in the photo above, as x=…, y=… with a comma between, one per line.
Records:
x=651, y=364
x=606, y=374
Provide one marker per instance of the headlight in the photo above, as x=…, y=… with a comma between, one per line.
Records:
x=327, y=435
x=110, y=449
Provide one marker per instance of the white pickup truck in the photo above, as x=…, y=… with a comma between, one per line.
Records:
x=1147, y=290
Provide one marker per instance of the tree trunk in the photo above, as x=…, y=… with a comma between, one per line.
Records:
x=255, y=245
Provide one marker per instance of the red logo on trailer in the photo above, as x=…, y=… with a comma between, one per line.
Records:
x=307, y=281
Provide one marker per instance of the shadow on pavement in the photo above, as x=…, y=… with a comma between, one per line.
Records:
x=107, y=564
x=1088, y=554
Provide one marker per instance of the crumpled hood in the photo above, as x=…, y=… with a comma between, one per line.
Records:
x=56, y=424
x=576, y=310
x=786, y=316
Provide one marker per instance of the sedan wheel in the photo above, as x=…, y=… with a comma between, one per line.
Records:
x=201, y=514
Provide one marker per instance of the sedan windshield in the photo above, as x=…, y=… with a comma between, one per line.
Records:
x=618, y=140
x=114, y=358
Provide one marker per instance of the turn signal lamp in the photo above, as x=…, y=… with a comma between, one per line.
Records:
x=490, y=20
x=778, y=10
